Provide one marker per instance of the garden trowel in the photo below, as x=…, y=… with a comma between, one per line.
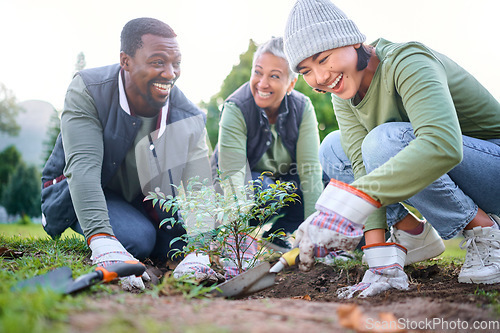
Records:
x=256, y=279
x=60, y=279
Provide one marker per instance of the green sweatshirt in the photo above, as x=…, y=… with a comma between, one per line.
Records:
x=440, y=99
x=233, y=141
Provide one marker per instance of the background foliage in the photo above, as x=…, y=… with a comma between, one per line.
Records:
x=9, y=109
x=21, y=194
x=10, y=157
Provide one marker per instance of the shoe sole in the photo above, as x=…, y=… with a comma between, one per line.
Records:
x=486, y=280
x=427, y=252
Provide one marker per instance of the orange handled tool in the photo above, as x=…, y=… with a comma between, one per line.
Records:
x=60, y=279
x=107, y=274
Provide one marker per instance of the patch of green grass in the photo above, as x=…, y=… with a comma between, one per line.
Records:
x=40, y=255
x=45, y=310
x=31, y=230
x=186, y=286
x=37, y=309
x=493, y=297
x=453, y=249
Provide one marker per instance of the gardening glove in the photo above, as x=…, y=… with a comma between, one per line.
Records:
x=107, y=250
x=248, y=249
x=341, y=212
x=198, y=266
x=385, y=262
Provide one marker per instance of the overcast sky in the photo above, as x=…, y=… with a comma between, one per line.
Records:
x=41, y=39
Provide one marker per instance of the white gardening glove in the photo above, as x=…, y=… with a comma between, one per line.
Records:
x=107, y=250
x=385, y=262
x=197, y=266
x=248, y=249
x=337, y=224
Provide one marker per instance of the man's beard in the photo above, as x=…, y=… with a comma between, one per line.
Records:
x=151, y=101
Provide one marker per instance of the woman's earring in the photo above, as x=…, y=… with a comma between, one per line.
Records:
x=288, y=93
x=319, y=91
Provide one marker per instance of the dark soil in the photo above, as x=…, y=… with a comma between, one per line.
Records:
x=432, y=281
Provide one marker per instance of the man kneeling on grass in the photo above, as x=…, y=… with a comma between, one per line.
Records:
x=126, y=130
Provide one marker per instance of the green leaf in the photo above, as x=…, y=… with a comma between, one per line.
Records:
x=151, y=196
x=167, y=220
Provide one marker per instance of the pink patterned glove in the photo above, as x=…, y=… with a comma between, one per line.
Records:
x=338, y=223
x=197, y=266
x=248, y=249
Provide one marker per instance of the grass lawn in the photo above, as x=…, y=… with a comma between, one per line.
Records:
x=453, y=249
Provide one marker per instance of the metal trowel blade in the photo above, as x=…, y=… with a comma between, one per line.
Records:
x=264, y=282
x=240, y=284
x=57, y=280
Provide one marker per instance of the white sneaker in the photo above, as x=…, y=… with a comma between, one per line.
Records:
x=423, y=246
x=482, y=261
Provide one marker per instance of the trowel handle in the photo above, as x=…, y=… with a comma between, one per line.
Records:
x=122, y=269
x=288, y=259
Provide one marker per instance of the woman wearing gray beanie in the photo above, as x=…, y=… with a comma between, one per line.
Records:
x=415, y=127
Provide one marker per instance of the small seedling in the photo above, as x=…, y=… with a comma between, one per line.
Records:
x=217, y=224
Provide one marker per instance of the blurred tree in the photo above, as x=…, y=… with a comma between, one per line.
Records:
x=212, y=109
x=10, y=158
x=240, y=74
x=80, y=62
x=21, y=194
x=9, y=109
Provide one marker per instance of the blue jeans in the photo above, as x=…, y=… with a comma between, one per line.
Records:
x=137, y=228
x=293, y=213
x=450, y=202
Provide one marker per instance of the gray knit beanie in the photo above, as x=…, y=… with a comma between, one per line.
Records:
x=315, y=26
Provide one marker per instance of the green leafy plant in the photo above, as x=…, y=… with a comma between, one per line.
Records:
x=185, y=286
x=219, y=225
